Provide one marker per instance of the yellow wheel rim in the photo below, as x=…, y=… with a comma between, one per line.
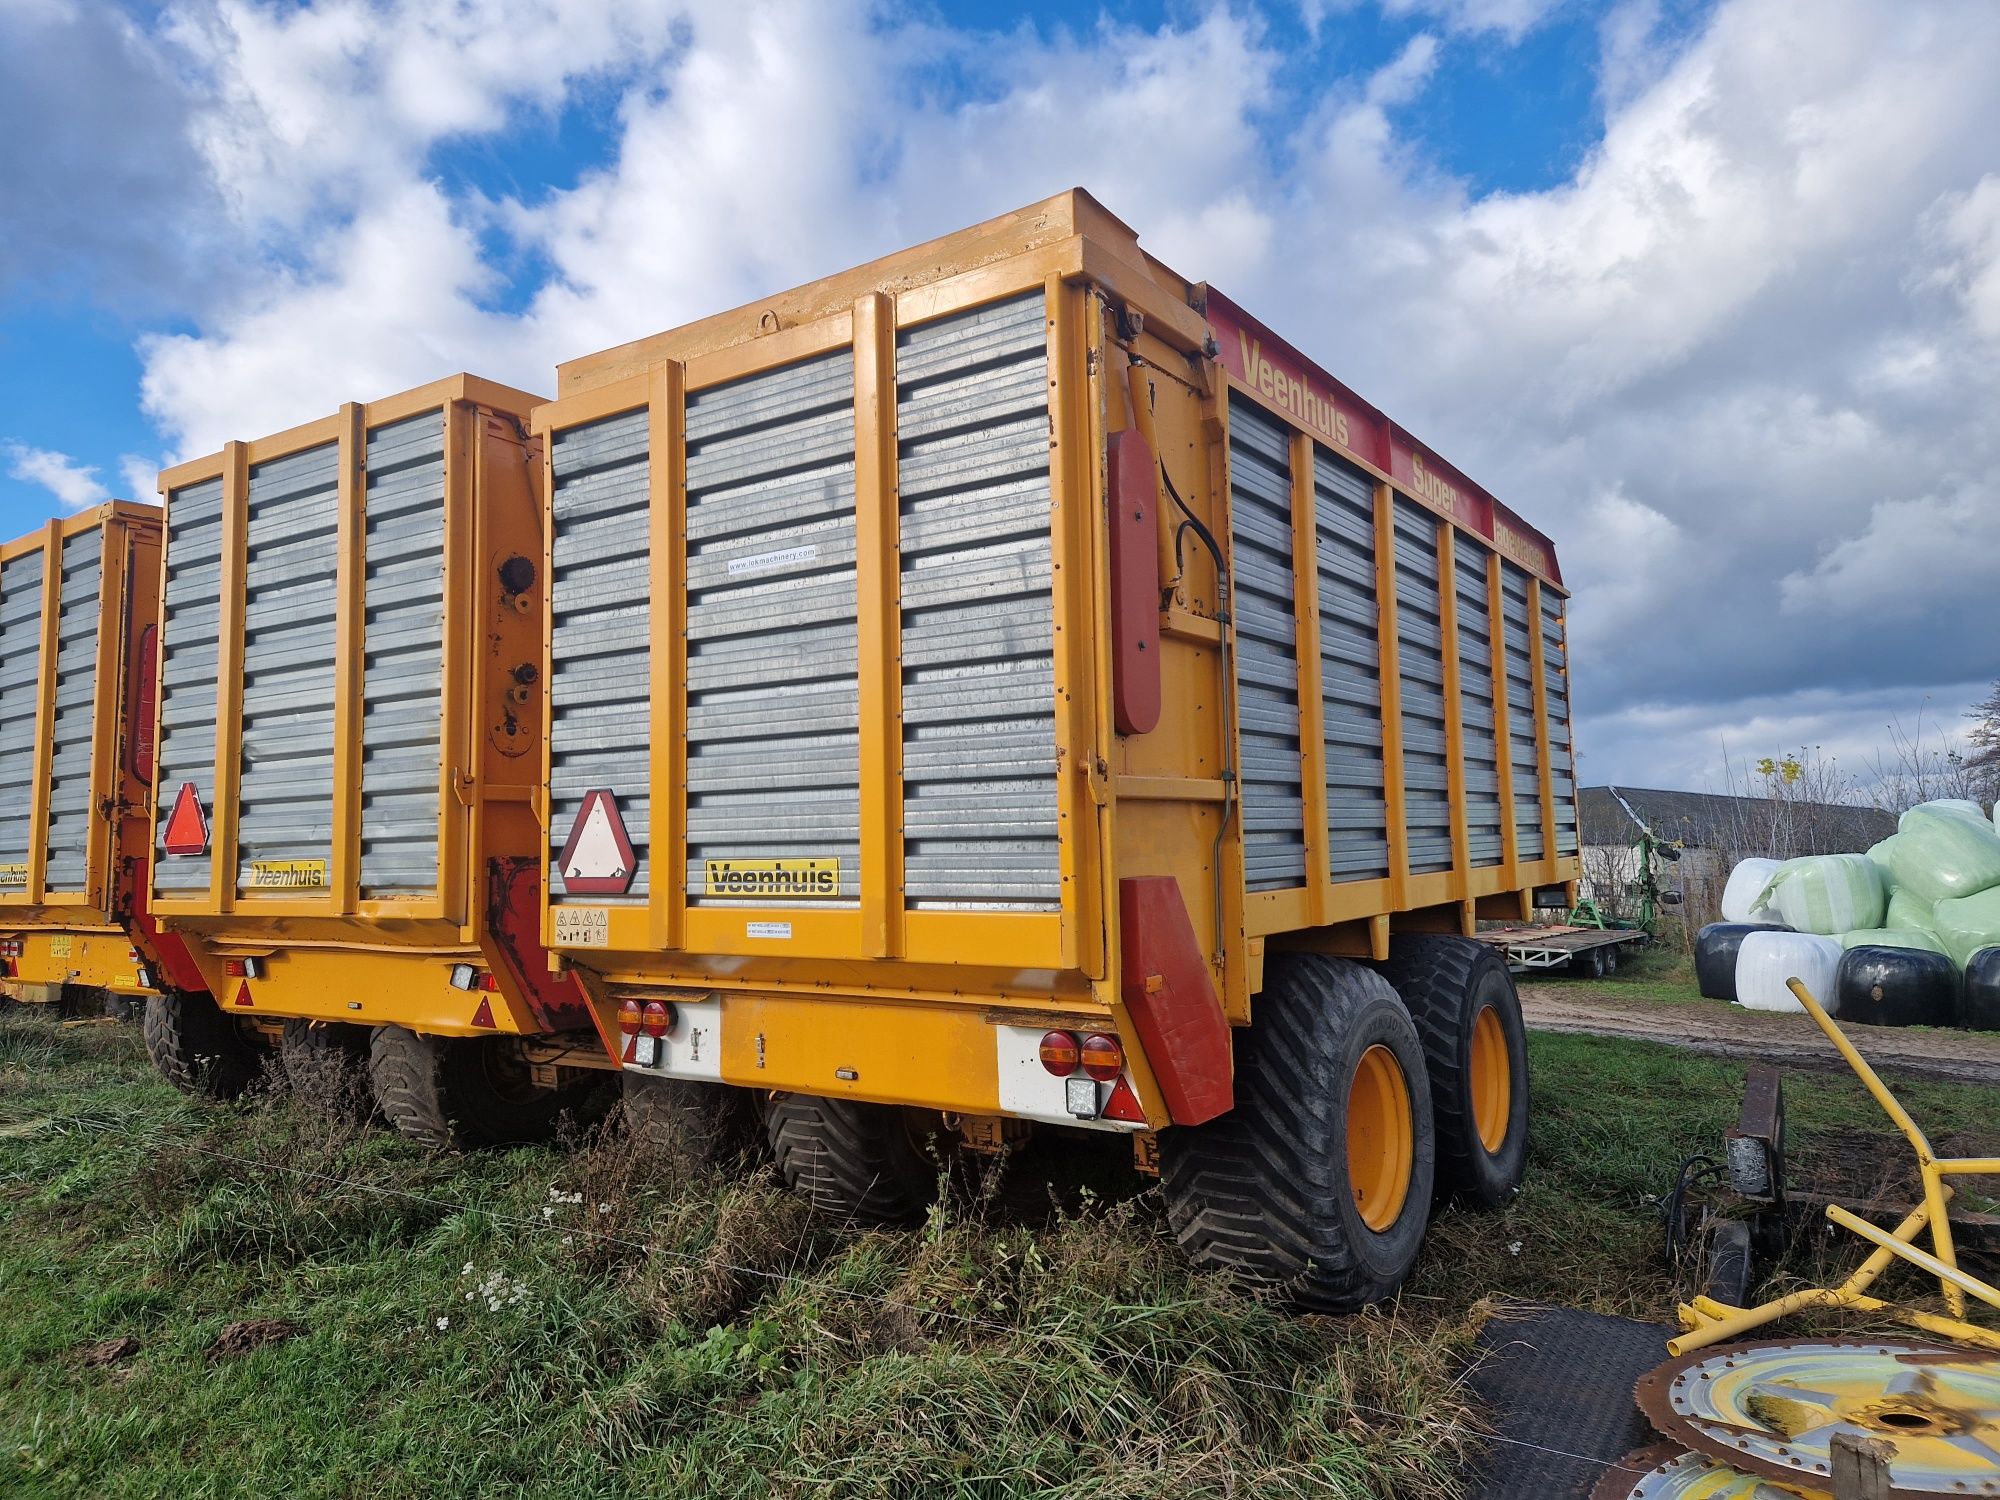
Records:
x=1492, y=1079
x=1381, y=1138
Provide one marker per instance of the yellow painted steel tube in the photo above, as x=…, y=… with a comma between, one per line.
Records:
x=1950, y=1275
x=1934, y=1196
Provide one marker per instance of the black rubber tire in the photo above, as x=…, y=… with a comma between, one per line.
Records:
x=327, y=1066
x=863, y=1162
x=198, y=1048
x=1446, y=982
x=459, y=1093
x=1610, y=959
x=677, y=1120
x=1588, y=964
x=1263, y=1191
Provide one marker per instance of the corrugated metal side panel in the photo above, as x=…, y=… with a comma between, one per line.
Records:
x=68, y=867
x=1562, y=763
x=188, y=637
x=1350, y=670
x=1420, y=658
x=773, y=722
x=978, y=615
x=402, y=683
x=600, y=735
x=284, y=808
x=20, y=675
x=1523, y=763
x=1486, y=843
x=1267, y=687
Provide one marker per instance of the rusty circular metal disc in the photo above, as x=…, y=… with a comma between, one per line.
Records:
x=1773, y=1408
x=1667, y=1471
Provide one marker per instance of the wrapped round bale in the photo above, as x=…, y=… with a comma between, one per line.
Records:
x=1893, y=937
x=1958, y=807
x=1895, y=987
x=1746, y=883
x=1826, y=894
x=1909, y=912
x=1715, y=949
x=1767, y=959
x=1939, y=855
x=1979, y=1000
x=1968, y=924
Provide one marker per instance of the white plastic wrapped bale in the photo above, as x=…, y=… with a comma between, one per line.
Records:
x=1826, y=893
x=1745, y=885
x=1768, y=959
x=1959, y=807
x=1892, y=936
x=1937, y=854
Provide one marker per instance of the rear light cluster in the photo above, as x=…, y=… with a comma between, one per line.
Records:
x=243, y=968
x=466, y=977
x=1098, y=1055
x=641, y=1026
x=10, y=947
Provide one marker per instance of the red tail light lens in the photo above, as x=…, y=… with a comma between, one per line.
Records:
x=1059, y=1053
x=628, y=1017
x=1103, y=1059
x=658, y=1018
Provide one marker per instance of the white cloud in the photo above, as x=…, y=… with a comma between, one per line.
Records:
x=1740, y=363
x=73, y=484
x=141, y=476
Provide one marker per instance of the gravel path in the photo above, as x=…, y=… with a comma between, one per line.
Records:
x=1725, y=1031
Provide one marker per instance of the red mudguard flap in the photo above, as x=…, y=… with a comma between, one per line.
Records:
x=514, y=917
x=1172, y=1000
x=1135, y=585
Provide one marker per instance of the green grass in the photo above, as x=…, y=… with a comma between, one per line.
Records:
x=464, y=1327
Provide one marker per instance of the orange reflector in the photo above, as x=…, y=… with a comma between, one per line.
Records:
x=1124, y=1104
x=1059, y=1053
x=1103, y=1059
x=658, y=1018
x=484, y=1015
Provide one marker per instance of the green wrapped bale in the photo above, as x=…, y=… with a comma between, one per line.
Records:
x=1892, y=937
x=1938, y=854
x=1826, y=894
x=1909, y=912
x=1968, y=924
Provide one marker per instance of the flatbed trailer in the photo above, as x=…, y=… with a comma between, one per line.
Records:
x=1589, y=951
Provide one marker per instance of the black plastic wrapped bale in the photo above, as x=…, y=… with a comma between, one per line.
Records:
x=1979, y=1000
x=1715, y=949
x=1895, y=987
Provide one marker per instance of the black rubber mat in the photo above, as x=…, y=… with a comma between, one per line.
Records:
x=1557, y=1383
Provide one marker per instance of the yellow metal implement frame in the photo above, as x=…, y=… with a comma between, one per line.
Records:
x=1710, y=1322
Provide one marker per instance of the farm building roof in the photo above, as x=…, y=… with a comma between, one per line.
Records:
x=1739, y=825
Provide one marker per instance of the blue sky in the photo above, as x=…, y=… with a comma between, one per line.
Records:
x=1707, y=289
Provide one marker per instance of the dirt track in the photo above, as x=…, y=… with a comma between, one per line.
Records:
x=1724, y=1031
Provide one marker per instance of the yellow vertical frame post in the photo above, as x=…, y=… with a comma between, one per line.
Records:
x=666, y=523
x=349, y=621
x=1460, y=883
x=1312, y=693
x=107, y=751
x=878, y=600
x=1545, y=769
x=1075, y=352
x=1503, y=732
x=1389, y=655
x=229, y=678
x=45, y=711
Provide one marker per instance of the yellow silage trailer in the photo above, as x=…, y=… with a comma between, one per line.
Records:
x=1006, y=684
x=350, y=738
x=79, y=649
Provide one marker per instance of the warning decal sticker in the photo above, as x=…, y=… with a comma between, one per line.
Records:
x=598, y=859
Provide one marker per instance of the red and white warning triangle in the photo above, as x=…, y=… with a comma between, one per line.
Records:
x=598, y=859
x=187, y=825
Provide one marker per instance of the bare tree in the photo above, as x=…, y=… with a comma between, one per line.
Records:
x=1920, y=764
